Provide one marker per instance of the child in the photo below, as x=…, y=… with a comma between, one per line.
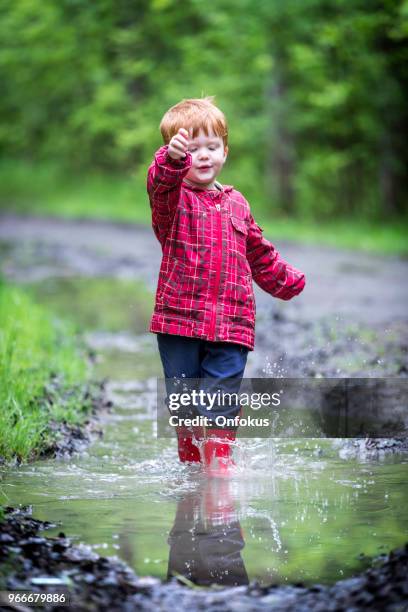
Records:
x=204, y=314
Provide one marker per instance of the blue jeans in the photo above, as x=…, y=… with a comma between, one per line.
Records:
x=218, y=365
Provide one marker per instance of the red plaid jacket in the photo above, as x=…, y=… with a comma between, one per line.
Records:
x=212, y=249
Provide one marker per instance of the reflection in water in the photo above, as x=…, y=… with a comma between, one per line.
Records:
x=311, y=508
x=308, y=513
x=206, y=539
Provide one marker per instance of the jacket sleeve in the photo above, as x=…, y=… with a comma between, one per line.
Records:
x=272, y=273
x=164, y=179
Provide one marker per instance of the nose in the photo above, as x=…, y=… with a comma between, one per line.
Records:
x=203, y=154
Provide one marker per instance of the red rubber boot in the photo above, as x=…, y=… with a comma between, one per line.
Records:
x=187, y=450
x=218, y=452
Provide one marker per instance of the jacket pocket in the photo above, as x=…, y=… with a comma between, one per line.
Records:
x=237, y=239
x=239, y=225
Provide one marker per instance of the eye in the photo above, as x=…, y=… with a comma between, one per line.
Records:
x=192, y=149
x=212, y=147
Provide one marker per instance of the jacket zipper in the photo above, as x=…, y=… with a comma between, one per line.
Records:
x=218, y=274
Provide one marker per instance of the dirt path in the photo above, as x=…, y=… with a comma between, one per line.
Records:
x=323, y=332
x=353, y=285
x=345, y=292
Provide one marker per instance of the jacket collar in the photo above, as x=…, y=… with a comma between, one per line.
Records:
x=221, y=188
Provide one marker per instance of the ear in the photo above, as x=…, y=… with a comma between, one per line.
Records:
x=225, y=153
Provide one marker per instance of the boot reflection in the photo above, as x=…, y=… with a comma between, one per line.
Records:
x=206, y=539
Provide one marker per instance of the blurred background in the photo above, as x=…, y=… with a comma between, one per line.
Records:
x=315, y=93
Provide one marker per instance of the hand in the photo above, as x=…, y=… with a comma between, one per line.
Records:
x=177, y=148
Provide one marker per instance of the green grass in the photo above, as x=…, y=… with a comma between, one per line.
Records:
x=390, y=239
x=46, y=190
x=42, y=375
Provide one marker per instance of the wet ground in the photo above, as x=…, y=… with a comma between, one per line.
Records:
x=351, y=320
x=306, y=510
x=55, y=568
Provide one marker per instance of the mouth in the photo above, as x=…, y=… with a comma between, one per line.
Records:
x=204, y=167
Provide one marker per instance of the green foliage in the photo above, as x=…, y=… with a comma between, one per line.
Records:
x=42, y=373
x=314, y=92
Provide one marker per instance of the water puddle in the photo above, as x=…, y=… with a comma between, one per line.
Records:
x=294, y=511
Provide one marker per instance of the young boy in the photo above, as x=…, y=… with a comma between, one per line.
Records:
x=204, y=314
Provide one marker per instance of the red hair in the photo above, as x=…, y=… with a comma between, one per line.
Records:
x=198, y=114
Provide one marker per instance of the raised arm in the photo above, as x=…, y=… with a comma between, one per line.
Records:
x=272, y=273
x=165, y=175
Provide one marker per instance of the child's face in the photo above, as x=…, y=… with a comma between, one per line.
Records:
x=209, y=155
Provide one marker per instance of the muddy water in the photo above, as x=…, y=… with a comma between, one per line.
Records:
x=294, y=511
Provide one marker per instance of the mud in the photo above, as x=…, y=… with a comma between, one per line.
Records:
x=68, y=439
x=354, y=286
x=102, y=583
x=350, y=322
